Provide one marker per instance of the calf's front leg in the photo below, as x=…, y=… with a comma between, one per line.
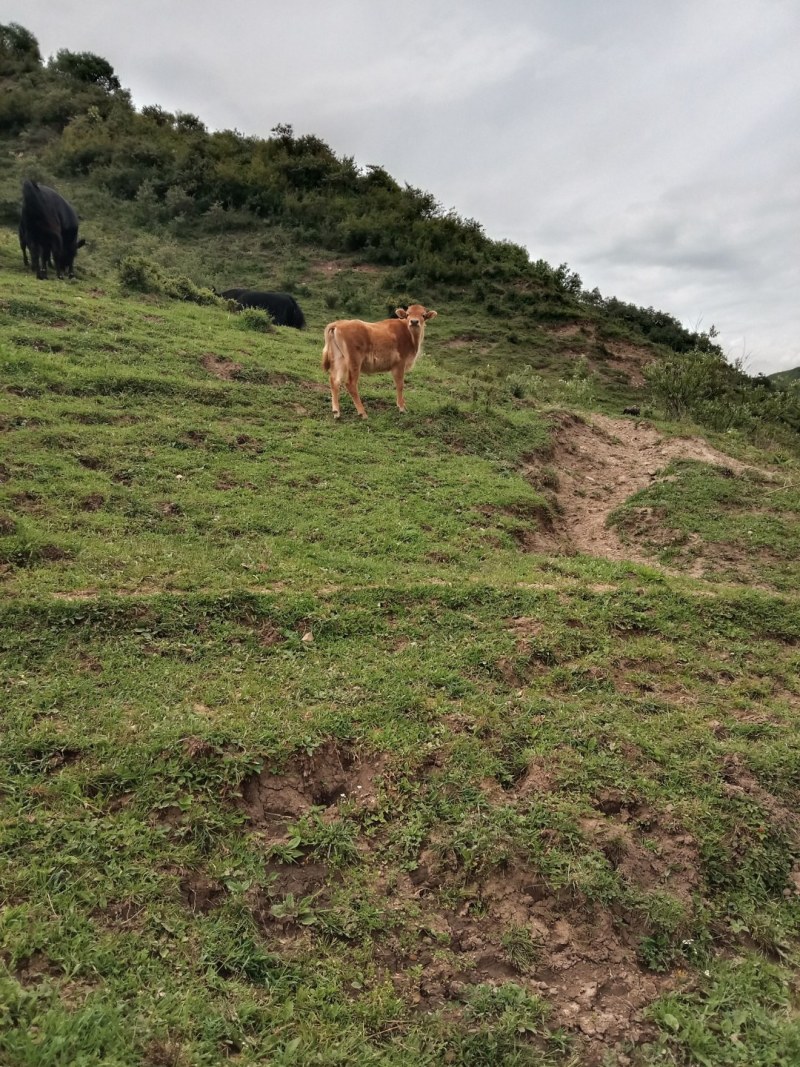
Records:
x=399, y=375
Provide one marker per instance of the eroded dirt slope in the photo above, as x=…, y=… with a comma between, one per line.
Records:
x=599, y=463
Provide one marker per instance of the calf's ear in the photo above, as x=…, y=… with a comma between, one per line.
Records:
x=401, y=313
x=81, y=243
x=430, y=315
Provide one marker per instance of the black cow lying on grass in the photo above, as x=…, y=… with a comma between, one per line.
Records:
x=49, y=228
x=283, y=308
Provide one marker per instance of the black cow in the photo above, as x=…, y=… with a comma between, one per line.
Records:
x=49, y=228
x=283, y=308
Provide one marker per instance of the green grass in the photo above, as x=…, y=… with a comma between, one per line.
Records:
x=743, y=528
x=306, y=762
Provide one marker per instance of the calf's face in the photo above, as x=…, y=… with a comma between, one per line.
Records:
x=416, y=315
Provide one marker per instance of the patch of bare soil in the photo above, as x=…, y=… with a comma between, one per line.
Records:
x=322, y=778
x=314, y=387
x=36, y=967
x=466, y=340
x=629, y=359
x=600, y=463
x=220, y=366
x=335, y=266
x=200, y=893
x=92, y=502
x=582, y=958
x=570, y=329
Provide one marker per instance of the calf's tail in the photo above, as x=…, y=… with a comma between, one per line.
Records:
x=327, y=350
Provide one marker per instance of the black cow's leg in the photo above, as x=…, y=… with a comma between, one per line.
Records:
x=39, y=261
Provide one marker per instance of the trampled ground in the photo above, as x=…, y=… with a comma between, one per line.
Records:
x=373, y=743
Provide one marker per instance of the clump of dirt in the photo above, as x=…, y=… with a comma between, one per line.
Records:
x=569, y=329
x=91, y=463
x=318, y=779
x=92, y=502
x=647, y=526
x=600, y=463
x=200, y=893
x=269, y=635
x=538, y=777
x=164, y=1054
x=246, y=443
x=35, y=967
x=448, y=930
x=220, y=366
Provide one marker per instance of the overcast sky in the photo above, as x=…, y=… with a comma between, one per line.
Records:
x=655, y=147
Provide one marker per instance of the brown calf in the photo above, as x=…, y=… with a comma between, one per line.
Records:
x=353, y=347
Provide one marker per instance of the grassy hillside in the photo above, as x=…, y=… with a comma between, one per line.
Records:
x=305, y=749
x=785, y=377
x=461, y=737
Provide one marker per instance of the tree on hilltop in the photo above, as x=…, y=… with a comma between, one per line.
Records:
x=18, y=47
x=85, y=67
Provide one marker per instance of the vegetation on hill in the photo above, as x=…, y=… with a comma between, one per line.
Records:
x=785, y=377
x=70, y=117
x=335, y=743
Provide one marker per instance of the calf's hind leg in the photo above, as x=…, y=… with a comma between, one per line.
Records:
x=335, y=386
x=352, y=388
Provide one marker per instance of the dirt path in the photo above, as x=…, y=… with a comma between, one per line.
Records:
x=602, y=462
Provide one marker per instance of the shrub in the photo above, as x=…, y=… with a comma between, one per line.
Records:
x=146, y=276
x=719, y=395
x=19, y=49
x=253, y=319
x=85, y=67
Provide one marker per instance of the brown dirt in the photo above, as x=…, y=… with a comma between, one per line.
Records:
x=585, y=956
x=200, y=893
x=467, y=340
x=600, y=463
x=321, y=779
x=585, y=964
x=36, y=967
x=220, y=366
x=92, y=502
x=334, y=266
x=629, y=359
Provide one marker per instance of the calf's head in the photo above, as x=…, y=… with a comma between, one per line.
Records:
x=416, y=316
